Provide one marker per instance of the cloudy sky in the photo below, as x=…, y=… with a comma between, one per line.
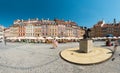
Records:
x=83, y=12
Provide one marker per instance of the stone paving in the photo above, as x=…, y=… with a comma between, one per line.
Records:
x=39, y=58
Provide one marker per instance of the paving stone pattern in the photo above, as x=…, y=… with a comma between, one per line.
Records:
x=40, y=58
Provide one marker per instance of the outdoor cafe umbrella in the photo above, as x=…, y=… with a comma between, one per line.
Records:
x=109, y=35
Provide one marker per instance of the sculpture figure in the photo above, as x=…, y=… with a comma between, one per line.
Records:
x=86, y=35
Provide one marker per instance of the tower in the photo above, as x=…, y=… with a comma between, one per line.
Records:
x=114, y=21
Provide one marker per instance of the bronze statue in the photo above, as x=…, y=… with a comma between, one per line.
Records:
x=87, y=31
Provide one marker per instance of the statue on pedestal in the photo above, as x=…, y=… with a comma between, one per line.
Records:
x=86, y=44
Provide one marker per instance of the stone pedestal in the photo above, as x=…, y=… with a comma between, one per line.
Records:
x=85, y=45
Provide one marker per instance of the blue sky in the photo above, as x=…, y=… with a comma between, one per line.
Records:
x=83, y=12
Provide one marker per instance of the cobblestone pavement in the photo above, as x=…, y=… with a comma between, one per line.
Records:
x=39, y=58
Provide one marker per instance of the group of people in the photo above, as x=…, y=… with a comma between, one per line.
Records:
x=108, y=42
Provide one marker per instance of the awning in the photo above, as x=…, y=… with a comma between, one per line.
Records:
x=109, y=35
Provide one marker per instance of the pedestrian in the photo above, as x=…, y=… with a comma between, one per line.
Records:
x=116, y=43
x=4, y=40
x=55, y=43
x=108, y=42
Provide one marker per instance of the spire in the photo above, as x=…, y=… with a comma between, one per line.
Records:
x=114, y=21
x=103, y=22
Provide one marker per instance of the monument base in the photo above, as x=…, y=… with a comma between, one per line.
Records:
x=86, y=45
x=97, y=55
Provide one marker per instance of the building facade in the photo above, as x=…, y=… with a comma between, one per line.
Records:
x=34, y=28
x=101, y=29
x=1, y=32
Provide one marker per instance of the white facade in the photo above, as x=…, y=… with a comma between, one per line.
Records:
x=62, y=30
x=37, y=30
x=29, y=28
x=7, y=32
x=1, y=31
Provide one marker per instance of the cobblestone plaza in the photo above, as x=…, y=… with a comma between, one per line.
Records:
x=39, y=58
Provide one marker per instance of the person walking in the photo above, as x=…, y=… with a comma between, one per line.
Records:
x=55, y=43
x=116, y=43
x=4, y=40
